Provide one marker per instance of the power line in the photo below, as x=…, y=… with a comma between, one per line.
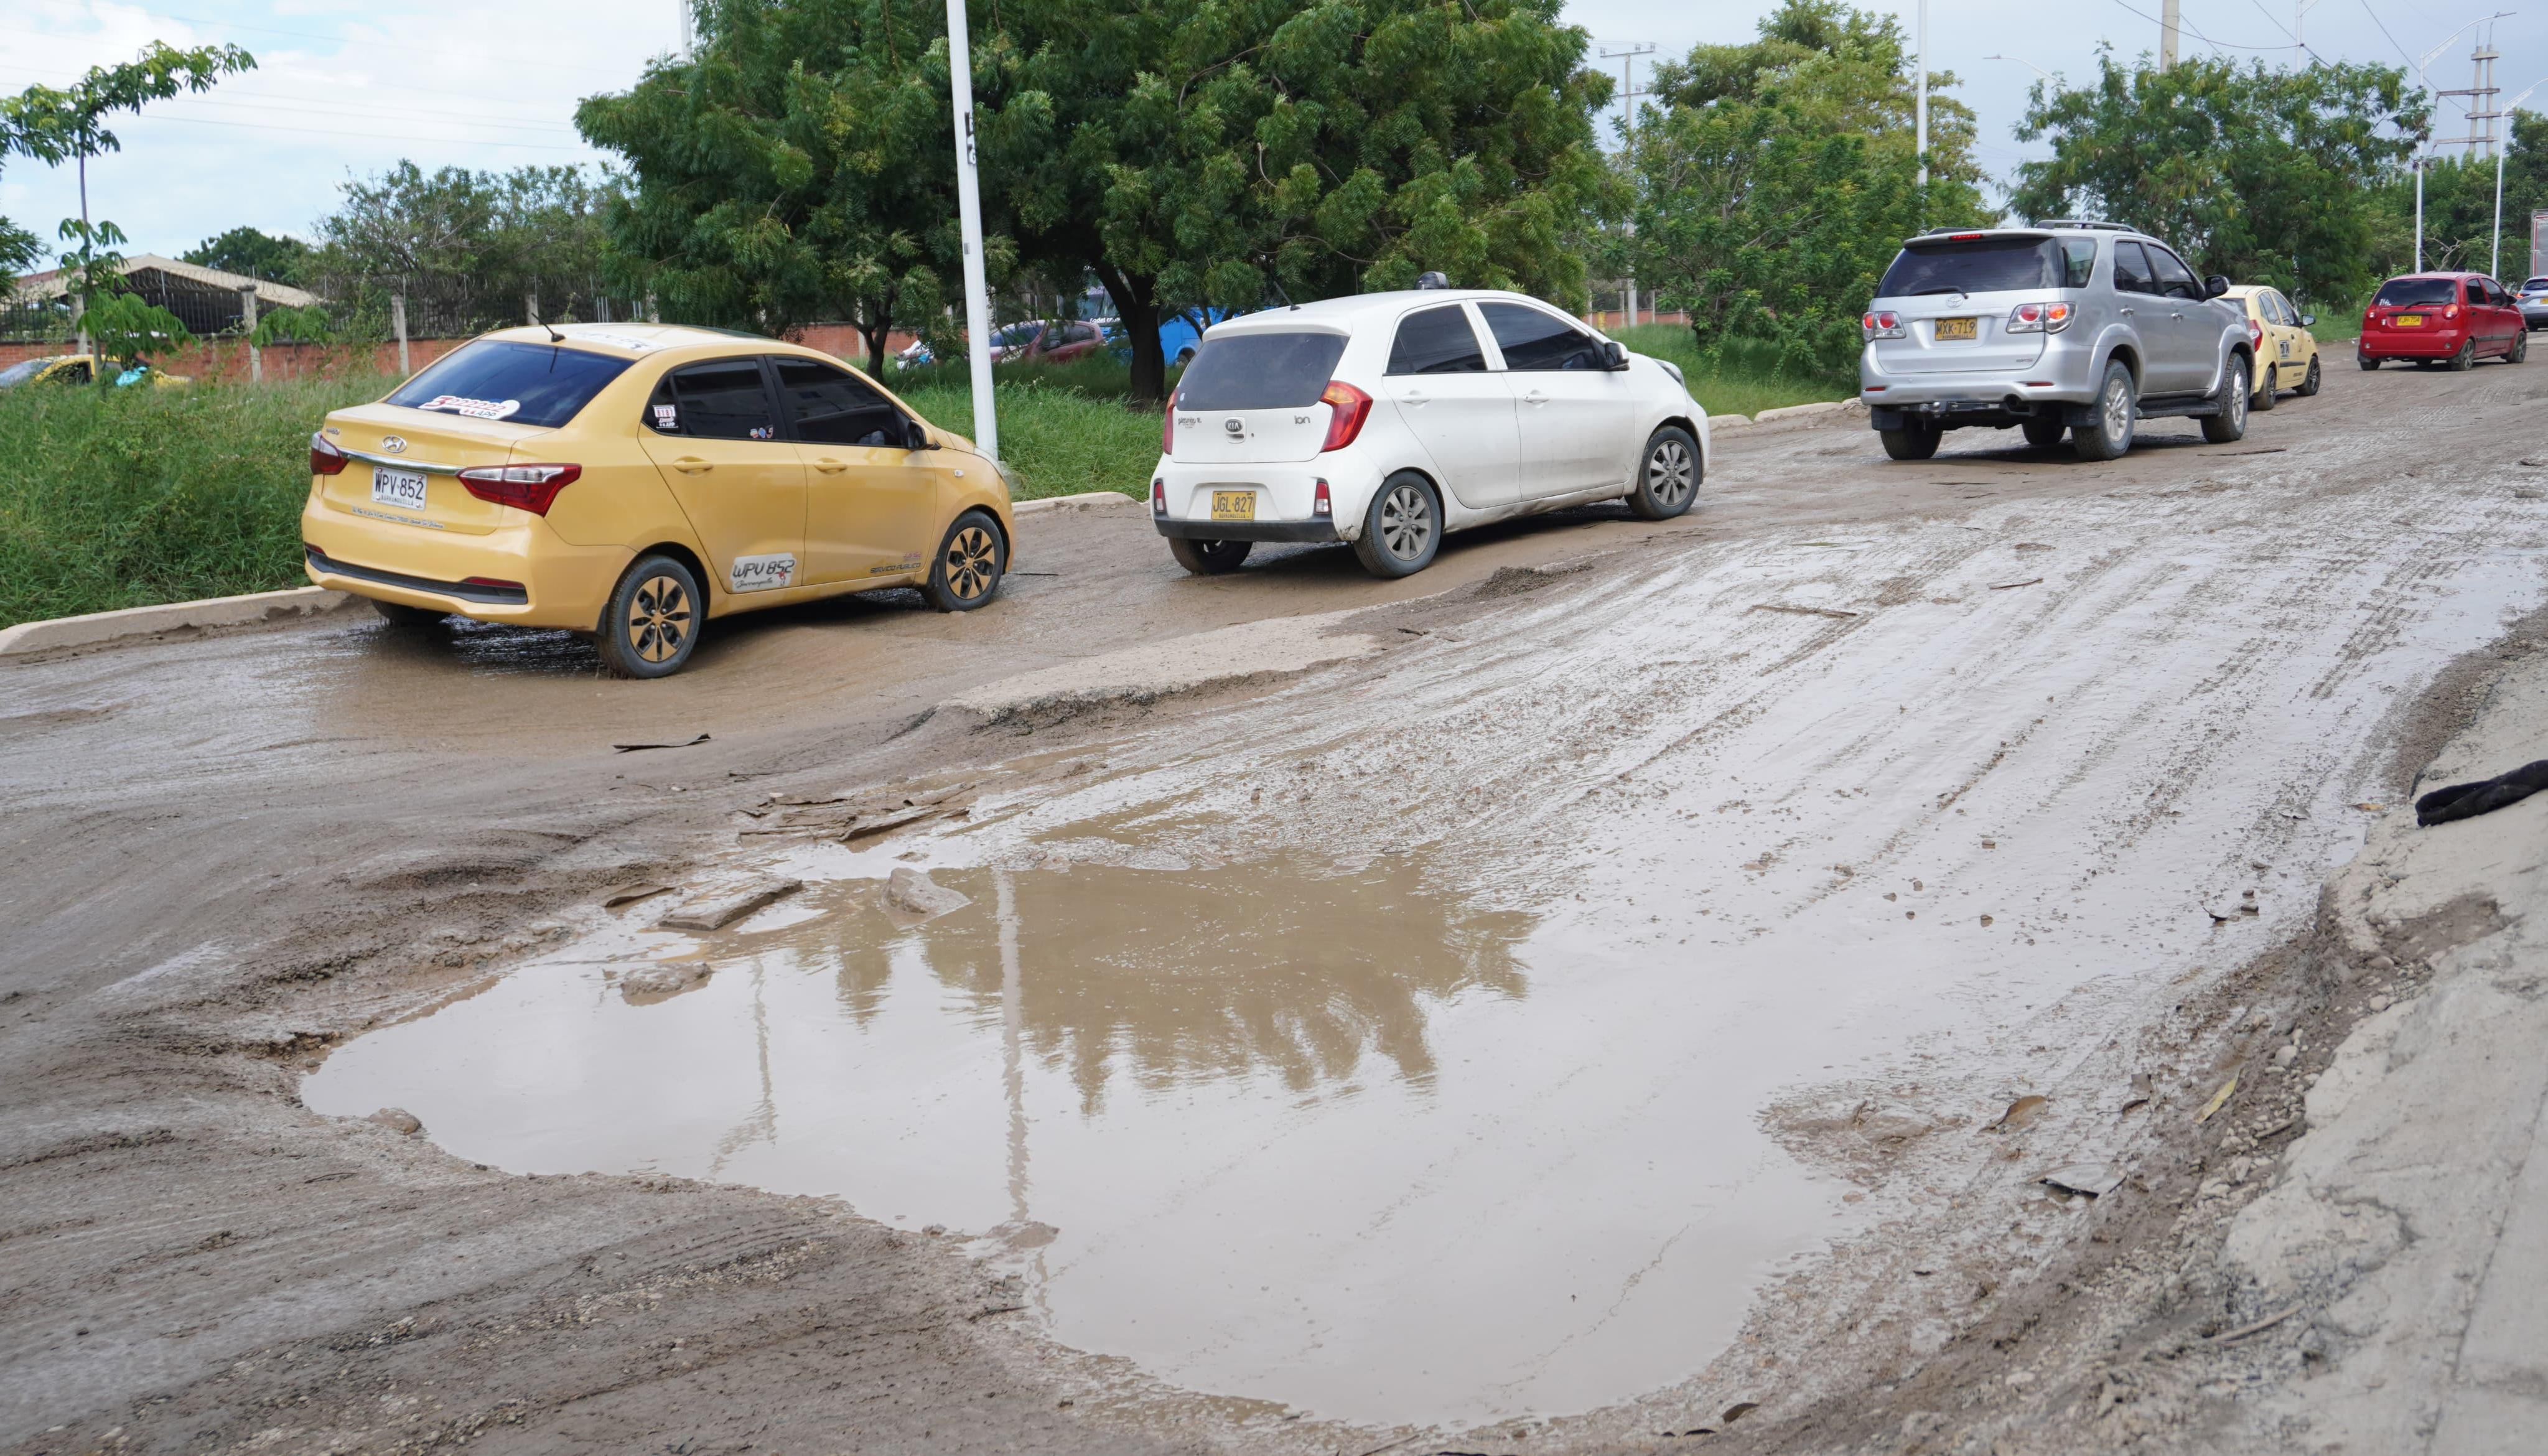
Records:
x=445, y=117
x=2188, y=27
x=408, y=136
x=29, y=71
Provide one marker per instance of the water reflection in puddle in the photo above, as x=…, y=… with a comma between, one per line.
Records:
x=1330, y=1138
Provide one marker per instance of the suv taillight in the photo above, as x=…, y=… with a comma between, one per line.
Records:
x=1351, y=405
x=324, y=458
x=2052, y=317
x=531, y=488
x=1887, y=324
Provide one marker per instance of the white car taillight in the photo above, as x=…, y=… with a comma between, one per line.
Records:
x=2052, y=317
x=1884, y=324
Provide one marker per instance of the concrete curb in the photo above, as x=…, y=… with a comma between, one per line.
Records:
x=1799, y=412
x=101, y=627
x=1137, y=675
x=1085, y=501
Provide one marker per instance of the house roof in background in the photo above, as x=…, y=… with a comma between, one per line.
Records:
x=184, y=277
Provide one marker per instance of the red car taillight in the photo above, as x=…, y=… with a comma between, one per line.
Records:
x=1169, y=427
x=2453, y=311
x=324, y=458
x=531, y=488
x=1351, y=405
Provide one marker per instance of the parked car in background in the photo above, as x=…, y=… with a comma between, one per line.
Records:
x=1057, y=342
x=2078, y=326
x=2449, y=319
x=2534, y=301
x=2286, y=351
x=74, y=369
x=1388, y=419
x=631, y=481
x=1013, y=339
x=1178, y=336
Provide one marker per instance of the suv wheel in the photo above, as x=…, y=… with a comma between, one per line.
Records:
x=1208, y=558
x=1669, y=482
x=2230, y=424
x=2108, y=431
x=1917, y=439
x=2043, y=432
x=1403, y=528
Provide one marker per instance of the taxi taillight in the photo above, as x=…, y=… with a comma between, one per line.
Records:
x=2255, y=334
x=531, y=488
x=324, y=458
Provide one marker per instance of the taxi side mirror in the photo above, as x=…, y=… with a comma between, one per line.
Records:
x=2308, y=319
x=915, y=436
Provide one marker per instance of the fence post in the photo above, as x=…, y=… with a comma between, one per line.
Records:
x=531, y=307
x=653, y=314
x=398, y=321
x=247, y=320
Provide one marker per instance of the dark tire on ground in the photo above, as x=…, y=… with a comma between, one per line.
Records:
x=2465, y=359
x=1668, y=475
x=1916, y=440
x=2042, y=433
x=653, y=621
x=2308, y=381
x=1403, y=528
x=2262, y=398
x=2230, y=425
x=2368, y=364
x=399, y=614
x=970, y=564
x=2110, y=431
x=1208, y=558
x=2520, y=349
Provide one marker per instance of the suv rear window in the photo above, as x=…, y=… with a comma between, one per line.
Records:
x=1984, y=265
x=1260, y=371
x=2410, y=293
x=542, y=385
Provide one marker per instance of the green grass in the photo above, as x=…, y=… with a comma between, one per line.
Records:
x=1741, y=376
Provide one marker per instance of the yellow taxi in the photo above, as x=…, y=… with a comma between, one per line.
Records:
x=74, y=369
x=2285, y=350
x=631, y=481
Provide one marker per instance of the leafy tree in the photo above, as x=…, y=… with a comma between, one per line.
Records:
x=1211, y=154
x=290, y=325
x=55, y=125
x=122, y=326
x=251, y=252
x=2459, y=207
x=18, y=249
x=467, y=245
x=801, y=167
x=1774, y=180
x=2269, y=176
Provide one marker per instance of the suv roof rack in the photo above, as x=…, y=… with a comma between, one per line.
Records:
x=2099, y=223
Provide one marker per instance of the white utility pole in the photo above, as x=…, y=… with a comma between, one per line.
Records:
x=968, y=204
x=690, y=42
x=1920, y=105
x=2494, y=260
x=2299, y=47
x=2419, y=209
x=2167, y=28
x=1628, y=94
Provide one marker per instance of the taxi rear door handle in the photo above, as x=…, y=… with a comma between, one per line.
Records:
x=828, y=466
x=692, y=465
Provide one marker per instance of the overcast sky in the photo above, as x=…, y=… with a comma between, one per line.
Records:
x=349, y=86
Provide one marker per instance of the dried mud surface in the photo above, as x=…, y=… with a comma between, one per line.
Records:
x=222, y=858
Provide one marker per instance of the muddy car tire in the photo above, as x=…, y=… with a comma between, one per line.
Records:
x=2465, y=360
x=2368, y=364
x=2520, y=349
x=2044, y=434
x=653, y=622
x=1667, y=476
x=2261, y=400
x=1209, y=558
x=1403, y=528
x=2308, y=381
x=399, y=614
x=2110, y=431
x=968, y=569
x=2230, y=425
x=1916, y=440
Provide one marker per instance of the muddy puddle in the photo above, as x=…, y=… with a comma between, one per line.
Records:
x=1330, y=1138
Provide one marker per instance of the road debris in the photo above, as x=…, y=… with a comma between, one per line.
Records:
x=1805, y=611
x=630, y=894
x=652, y=983
x=2019, y=1113
x=2219, y=1100
x=2013, y=585
x=2257, y=1328
x=718, y=908
x=639, y=748
x=398, y=1120
x=917, y=898
x=2094, y=1180
x=2484, y=796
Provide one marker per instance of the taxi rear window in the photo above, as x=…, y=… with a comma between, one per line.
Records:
x=1980, y=265
x=540, y=384
x=1260, y=371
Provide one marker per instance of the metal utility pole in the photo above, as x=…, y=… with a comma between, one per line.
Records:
x=690, y=42
x=2299, y=47
x=1628, y=94
x=968, y=204
x=1920, y=103
x=2167, y=27
x=2494, y=260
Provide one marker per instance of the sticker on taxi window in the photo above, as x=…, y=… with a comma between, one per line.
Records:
x=474, y=409
x=762, y=573
x=763, y=433
x=665, y=417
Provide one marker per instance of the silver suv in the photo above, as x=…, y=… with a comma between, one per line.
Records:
x=2080, y=325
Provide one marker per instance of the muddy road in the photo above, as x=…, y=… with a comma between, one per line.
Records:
x=1559, y=999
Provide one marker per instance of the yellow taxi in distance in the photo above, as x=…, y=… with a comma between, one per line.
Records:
x=2285, y=350
x=631, y=480
x=74, y=369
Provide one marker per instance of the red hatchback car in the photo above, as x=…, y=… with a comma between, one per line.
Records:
x=2442, y=318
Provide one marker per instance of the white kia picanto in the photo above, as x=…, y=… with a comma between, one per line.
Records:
x=1390, y=419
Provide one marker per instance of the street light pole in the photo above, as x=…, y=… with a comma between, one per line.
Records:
x=968, y=204
x=1628, y=94
x=1920, y=106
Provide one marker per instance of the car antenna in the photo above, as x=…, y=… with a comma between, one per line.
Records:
x=555, y=337
x=1276, y=284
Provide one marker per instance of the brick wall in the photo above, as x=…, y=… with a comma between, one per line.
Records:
x=227, y=361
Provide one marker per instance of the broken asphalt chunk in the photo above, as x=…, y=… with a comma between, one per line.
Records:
x=2096, y=1180
x=639, y=748
x=715, y=909
x=649, y=984
x=914, y=898
x=2484, y=796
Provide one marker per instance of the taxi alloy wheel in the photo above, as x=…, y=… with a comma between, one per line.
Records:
x=970, y=562
x=1669, y=483
x=653, y=622
x=2308, y=381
